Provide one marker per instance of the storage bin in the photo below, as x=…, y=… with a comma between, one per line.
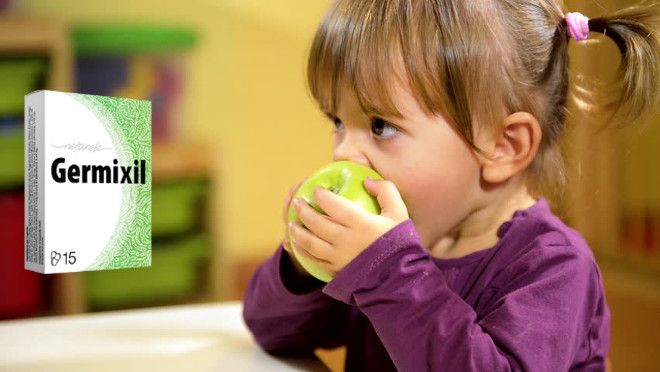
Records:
x=19, y=76
x=175, y=273
x=11, y=154
x=20, y=290
x=177, y=207
x=137, y=61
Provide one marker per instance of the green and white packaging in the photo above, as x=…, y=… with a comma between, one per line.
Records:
x=87, y=182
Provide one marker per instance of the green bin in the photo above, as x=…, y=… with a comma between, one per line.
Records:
x=174, y=274
x=11, y=154
x=19, y=76
x=177, y=207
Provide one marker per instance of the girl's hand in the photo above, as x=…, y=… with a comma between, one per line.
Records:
x=334, y=240
x=285, y=218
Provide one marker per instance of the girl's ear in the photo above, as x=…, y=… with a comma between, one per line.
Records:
x=511, y=149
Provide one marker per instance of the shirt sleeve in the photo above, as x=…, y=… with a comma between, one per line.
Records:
x=287, y=314
x=535, y=322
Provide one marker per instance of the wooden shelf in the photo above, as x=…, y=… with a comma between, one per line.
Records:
x=176, y=160
x=629, y=268
x=51, y=40
x=48, y=38
x=170, y=160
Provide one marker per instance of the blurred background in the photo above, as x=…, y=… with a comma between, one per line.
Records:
x=234, y=127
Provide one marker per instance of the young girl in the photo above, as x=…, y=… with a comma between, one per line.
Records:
x=460, y=106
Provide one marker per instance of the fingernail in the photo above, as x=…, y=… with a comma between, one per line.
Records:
x=292, y=238
x=296, y=202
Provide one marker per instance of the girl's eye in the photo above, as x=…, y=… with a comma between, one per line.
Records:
x=336, y=122
x=382, y=129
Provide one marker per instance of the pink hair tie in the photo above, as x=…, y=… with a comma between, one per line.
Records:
x=578, y=26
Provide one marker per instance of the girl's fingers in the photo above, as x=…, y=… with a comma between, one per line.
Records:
x=286, y=245
x=304, y=252
x=320, y=225
x=340, y=209
x=285, y=214
x=325, y=265
x=287, y=199
x=308, y=244
x=389, y=199
x=287, y=202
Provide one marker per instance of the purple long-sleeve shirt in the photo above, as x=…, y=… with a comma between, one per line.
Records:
x=534, y=302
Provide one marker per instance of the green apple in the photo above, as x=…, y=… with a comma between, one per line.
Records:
x=344, y=178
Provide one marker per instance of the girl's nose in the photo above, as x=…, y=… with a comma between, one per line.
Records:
x=350, y=150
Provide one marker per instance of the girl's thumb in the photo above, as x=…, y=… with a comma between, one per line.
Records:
x=389, y=198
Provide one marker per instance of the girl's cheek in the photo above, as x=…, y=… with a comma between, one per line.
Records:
x=337, y=139
x=425, y=191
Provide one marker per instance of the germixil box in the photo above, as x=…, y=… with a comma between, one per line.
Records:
x=87, y=182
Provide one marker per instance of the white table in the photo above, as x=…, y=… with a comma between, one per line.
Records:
x=205, y=337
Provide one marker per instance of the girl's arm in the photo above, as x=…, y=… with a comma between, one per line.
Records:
x=288, y=314
x=536, y=321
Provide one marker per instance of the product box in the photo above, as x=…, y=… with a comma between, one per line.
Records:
x=87, y=182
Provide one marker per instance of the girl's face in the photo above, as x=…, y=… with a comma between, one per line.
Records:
x=435, y=171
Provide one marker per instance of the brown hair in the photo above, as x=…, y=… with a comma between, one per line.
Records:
x=477, y=62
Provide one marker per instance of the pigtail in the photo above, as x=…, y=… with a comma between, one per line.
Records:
x=635, y=32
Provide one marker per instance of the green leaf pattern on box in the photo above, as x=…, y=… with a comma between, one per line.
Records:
x=129, y=126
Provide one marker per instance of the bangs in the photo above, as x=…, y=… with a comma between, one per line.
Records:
x=360, y=46
x=449, y=55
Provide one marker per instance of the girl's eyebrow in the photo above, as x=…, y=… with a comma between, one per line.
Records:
x=381, y=115
x=330, y=115
x=371, y=115
x=397, y=122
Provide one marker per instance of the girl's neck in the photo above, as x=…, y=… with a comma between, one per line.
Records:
x=478, y=231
